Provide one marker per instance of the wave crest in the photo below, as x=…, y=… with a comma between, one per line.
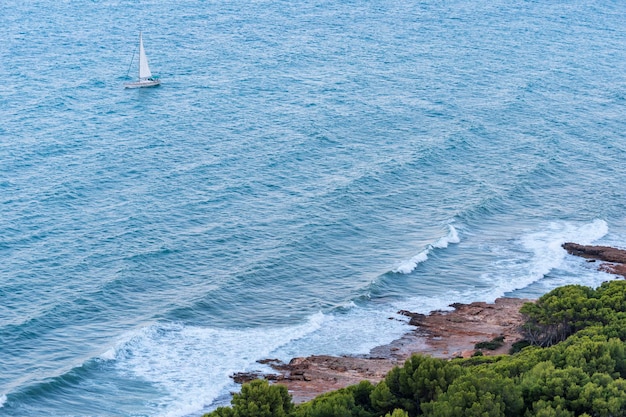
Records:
x=409, y=265
x=542, y=254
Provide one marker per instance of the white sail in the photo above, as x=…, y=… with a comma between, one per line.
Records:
x=144, y=69
x=145, y=76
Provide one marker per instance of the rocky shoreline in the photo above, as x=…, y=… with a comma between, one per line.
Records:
x=442, y=334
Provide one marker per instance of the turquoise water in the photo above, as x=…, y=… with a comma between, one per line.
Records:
x=305, y=170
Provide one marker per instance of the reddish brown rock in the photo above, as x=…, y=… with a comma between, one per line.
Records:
x=602, y=253
x=615, y=258
x=616, y=269
x=448, y=334
x=306, y=378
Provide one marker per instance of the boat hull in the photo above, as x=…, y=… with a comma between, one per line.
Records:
x=143, y=83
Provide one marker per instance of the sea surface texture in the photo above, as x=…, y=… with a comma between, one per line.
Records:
x=305, y=170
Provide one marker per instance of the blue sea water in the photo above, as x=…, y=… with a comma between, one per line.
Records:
x=305, y=170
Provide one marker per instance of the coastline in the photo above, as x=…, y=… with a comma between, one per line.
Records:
x=440, y=334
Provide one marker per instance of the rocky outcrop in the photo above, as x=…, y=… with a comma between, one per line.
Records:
x=448, y=334
x=614, y=259
x=443, y=334
x=602, y=253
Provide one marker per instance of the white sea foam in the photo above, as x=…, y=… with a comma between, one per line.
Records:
x=452, y=237
x=356, y=331
x=539, y=253
x=109, y=355
x=409, y=266
x=3, y=400
x=425, y=304
x=194, y=364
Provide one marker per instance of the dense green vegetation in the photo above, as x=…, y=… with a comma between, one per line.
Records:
x=574, y=364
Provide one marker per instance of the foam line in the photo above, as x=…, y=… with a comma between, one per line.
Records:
x=193, y=364
x=542, y=254
x=409, y=266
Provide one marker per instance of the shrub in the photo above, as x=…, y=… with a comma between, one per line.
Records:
x=257, y=399
x=559, y=314
x=352, y=401
x=494, y=344
x=482, y=393
x=421, y=379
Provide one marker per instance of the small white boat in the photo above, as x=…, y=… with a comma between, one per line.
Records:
x=145, y=76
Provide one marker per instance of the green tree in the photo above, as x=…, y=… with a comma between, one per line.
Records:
x=545, y=409
x=559, y=314
x=351, y=401
x=522, y=362
x=612, y=295
x=361, y=393
x=571, y=389
x=566, y=310
x=480, y=393
x=335, y=404
x=556, y=386
x=615, y=327
x=602, y=397
x=594, y=355
x=421, y=379
x=257, y=399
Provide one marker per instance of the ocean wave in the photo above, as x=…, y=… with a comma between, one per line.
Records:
x=539, y=253
x=193, y=364
x=25, y=398
x=409, y=265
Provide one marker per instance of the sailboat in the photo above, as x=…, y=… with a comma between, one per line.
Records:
x=145, y=76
